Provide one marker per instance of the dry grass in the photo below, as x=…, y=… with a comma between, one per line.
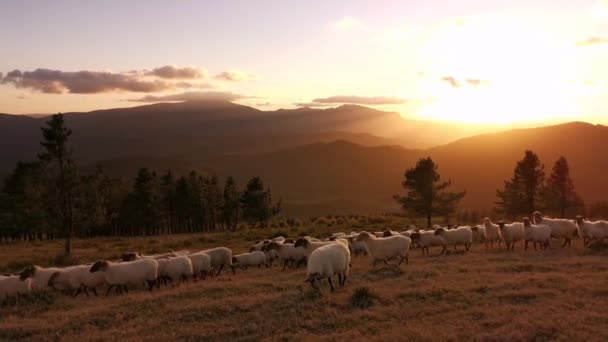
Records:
x=559, y=294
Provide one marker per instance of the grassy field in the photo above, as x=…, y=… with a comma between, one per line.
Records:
x=559, y=294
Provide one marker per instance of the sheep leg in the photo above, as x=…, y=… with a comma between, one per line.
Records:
x=95, y=292
x=331, y=286
x=109, y=288
x=77, y=292
x=526, y=245
x=284, y=264
x=340, y=279
x=219, y=270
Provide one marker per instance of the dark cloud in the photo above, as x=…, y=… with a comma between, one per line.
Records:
x=193, y=96
x=82, y=82
x=174, y=72
x=362, y=100
x=233, y=76
x=593, y=41
x=451, y=80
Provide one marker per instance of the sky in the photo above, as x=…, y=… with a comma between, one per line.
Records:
x=472, y=61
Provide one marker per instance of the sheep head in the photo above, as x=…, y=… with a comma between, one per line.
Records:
x=387, y=233
x=271, y=246
x=131, y=256
x=538, y=217
x=290, y=240
x=501, y=224
x=235, y=260
x=580, y=219
x=315, y=280
x=439, y=231
x=364, y=236
x=100, y=266
x=301, y=242
x=28, y=272
x=527, y=222
x=53, y=279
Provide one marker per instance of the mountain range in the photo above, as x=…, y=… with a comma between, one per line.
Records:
x=320, y=161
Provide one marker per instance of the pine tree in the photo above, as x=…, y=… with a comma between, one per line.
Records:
x=521, y=194
x=231, y=211
x=257, y=203
x=425, y=192
x=559, y=194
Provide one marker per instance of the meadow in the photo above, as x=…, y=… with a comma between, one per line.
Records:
x=495, y=295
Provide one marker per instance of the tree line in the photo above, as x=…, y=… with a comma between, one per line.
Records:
x=527, y=191
x=53, y=197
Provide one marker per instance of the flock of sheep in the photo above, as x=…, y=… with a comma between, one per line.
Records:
x=323, y=259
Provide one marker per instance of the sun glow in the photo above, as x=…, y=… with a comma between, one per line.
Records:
x=498, y=71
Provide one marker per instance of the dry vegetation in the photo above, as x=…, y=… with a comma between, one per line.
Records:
x=559, y=294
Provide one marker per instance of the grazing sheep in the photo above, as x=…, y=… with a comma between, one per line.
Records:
x=220, y=256
x=454, y=237
x=201, y=265
x=479, y=233
x=309, y=246
x=327, y=261
x=597, y=230
x=245, y=260
x=492, y=233
x=288, y=253
x=560, y=228
x=77, y=279
x=383, y=249
x=121, y=274
x=40, y=276
x=426, y=239
x=357, y=247
x=511, y=233
x=12, y=287
x=174, y=269
x=539, y=233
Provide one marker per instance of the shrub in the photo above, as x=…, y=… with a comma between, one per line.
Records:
x=363, y=298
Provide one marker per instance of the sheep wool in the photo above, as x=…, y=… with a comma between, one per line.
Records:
x=383, y=249
x=327, y=261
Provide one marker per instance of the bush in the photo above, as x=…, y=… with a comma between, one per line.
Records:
x=363, y=298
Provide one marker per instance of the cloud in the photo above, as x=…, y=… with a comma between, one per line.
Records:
x=193, y=96
x=175, y=72
x=347, y=23
x=474, y=82
x=362, y=100
x=234, y=76
x=593, y=41
x=312, y=104
x=82, y=82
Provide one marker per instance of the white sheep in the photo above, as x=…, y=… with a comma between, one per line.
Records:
x=589, y=231
x=260, y=244
x=511, y=233
x=220, y=256
x=12, y=286
x=253, y=259
x=288, y=253
x=174, y=269
x=537, y=233
x=327, y=261
x=383, y=249
x=492, y=233
x=77, y=279
x=560, y=228
x=122, y=274
x=479, y=233
x=426, y=239
x=357, y=247
x=309, y=246
x=40, y=276
x=201, y=265
x=455, y=237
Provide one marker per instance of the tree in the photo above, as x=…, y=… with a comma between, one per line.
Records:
x=521, y=193
x=59, y=158
x=425, y=193
x=559, y=194
x=257, y=203
x=167, y=198
x=231, y=210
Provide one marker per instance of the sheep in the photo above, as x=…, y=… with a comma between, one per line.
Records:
x=379, y=234
x=40, y=276
x=511, y=233
x=220, y=256
x=389, y=232
x=591, y=230
x=309, y=246
x=327, y=261
x=492, y=233
x=245, y=260
x=426, y=239
x=201, y=265
x=121, y=274
x=461, y=235
x=173, y=269
x=539, y=233
x=382, y=249
x=406, y=233
x=357, y=247
x=77, y=279
x=479, y=233
x=560, y=228
x=288, y=253
x=12, y=287
x=259, y=245
x=131, y=256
